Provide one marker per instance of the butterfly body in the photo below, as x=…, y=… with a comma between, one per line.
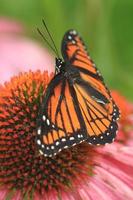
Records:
x=77, y=106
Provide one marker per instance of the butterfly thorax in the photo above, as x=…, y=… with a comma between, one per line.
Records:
x=66, y=70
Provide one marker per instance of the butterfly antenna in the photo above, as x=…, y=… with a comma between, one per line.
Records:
x=50, y=37
x=46, y=41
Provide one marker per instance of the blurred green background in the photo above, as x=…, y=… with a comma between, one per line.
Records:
x=105, y=25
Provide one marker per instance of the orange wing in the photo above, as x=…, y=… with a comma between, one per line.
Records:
x=77, y=105
x=74, y=51
x=60, y=121
x=96, y=104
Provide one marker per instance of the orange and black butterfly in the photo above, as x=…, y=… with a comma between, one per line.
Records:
x=77, y=106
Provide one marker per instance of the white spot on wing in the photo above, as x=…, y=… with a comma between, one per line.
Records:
x=39, y=131
x=74, y=144
x=53, y=126
x=41, y=152
x=71, y=138
x=69, y=37
x=98, y=100
x=63, y=139
x=57, y=143
x=74, y=32
x=65, y=147
x=39, y=142
x=73, y=42
x=44, y=117
x=48, y=122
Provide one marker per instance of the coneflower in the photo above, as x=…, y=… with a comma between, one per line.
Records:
x=81, y=172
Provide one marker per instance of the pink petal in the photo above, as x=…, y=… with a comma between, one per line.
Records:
x=117, y=170
x=98, y=190
x=9, y=26
x=107, y=190
x=3, y=193
x=84, y=194
x=117, y=151
x=119, y=186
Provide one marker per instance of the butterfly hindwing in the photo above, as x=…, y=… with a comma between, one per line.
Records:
x=58, y=128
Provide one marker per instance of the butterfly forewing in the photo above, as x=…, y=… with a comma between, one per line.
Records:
x=98, y=108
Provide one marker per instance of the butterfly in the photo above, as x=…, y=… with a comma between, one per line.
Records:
x=77, y=106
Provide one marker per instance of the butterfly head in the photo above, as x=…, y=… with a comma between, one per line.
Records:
x=58, y=65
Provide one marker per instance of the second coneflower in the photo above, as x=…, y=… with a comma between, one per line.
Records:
x=81, y=172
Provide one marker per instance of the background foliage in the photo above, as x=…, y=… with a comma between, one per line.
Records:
x=105, y=25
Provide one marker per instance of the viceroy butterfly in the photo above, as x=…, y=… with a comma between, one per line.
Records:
x=77, y=105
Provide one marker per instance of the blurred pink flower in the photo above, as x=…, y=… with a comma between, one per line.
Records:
x=19, y=53
x=10, y=26
x=82, y=172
